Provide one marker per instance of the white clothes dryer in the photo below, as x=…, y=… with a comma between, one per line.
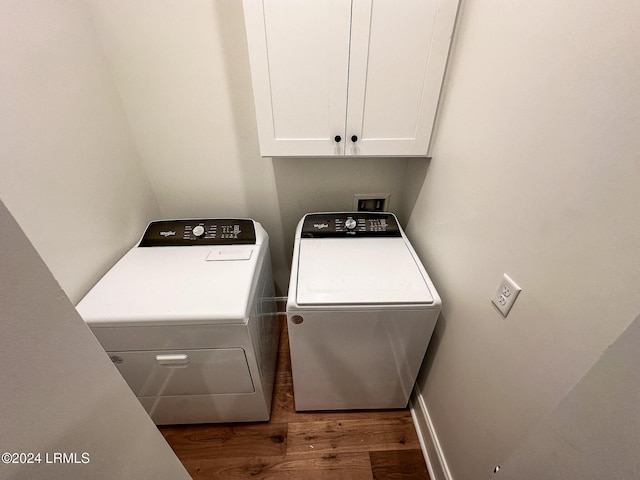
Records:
x=188, y=318
x=360, y=310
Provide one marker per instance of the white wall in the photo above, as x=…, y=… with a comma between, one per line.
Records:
x=169, y=61
x=535, y=172
x=594, y=432
x=328, y=185
x=60, y=393
x=70, y=172
x=181, y=69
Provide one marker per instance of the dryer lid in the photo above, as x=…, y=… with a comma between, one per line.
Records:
x=359, y=271
x=175, y=286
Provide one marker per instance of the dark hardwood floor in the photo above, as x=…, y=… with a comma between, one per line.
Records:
x=350, y=445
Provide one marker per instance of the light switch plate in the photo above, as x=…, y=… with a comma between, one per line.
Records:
x=506, y=295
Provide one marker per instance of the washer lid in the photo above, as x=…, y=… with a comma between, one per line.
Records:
x=359, y=271
x=175, y=285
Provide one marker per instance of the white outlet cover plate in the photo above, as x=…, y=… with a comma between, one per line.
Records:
x=506, y=295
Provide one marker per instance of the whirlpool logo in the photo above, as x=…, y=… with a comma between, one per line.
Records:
x=169, y=233
x=320, y=226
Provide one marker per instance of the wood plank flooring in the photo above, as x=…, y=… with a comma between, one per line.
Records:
x=349, y=445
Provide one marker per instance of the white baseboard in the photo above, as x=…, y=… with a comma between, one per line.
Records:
x=433, y=455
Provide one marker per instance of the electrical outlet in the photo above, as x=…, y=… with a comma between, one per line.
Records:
x=506, y=295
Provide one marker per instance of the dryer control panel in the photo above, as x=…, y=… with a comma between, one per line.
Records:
x=350, y=225
x=221, y=231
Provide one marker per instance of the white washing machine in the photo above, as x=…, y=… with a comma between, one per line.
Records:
x=188, y=318
x=361, y=310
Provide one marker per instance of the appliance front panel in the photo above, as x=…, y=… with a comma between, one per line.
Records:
x=364, y=359
x=184, y=372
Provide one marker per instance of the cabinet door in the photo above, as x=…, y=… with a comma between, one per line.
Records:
x=398, y=57
x=299, y=55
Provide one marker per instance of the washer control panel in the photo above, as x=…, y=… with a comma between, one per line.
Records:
x=222, y=231
x=350, y=224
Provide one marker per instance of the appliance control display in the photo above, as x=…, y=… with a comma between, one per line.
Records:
x=350, y=224
x=224, y=231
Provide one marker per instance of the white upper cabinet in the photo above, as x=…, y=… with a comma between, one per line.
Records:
x=347, y=77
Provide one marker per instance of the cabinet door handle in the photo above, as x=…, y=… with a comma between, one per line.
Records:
x=354, y=138
x=338, y=138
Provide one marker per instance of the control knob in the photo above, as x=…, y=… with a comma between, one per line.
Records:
x=198, y=230
x=350, y=223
